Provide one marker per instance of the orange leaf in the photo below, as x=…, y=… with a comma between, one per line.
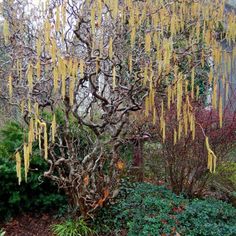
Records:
x=86, y=180
x=100, y=202
x=120, y=165
x=106, y=194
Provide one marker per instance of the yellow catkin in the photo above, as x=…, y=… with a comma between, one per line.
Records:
x=30, y=77
x=110, y=49
x=115, y=8
x=168, y=97
x=211, y=76
x=147, y=106
x=152, y=97
x=148, y=43
x=162, y=108
x=97, y=65
x=186, y=87
x=154, y=118
x=81, y=68
x=30, y=136
x=175, y=137
x=114, y=77
x=18, y=68
x=197, y=92
x=30, y=146
x=63, y=11
x=193, y=127
x=131, y=18
x=39, y=136
x=191, y=121
x=45, y=137
x=55, y=80
x=63, y=79
x=192, y=83
x=123, y=15
x=198, y=28
x=179, y=97
x=133, y=36
x=36, y=115
x=36, y=110
x=211, y=162
x=38, y=47
x=22, y=106
x=18, y=167
x=10, y=89
x=53, y=128
x=75, y=69
x=69, y=67
x=32, y=129
x=29, y=106
x=38, y=69
x=185, y=117
x=161, y=123
x=163, y=131
x=6, y=31
x=31, y=132
x=173, y=27
x=46, y=4
x=71, y=90
x=47, y=29
x=99, y=3
x=214, y=95
x=220, y=111
x=179, y=130
x=26, y=160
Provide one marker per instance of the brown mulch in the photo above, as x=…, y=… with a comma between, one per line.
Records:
x=30, y=225
x=36, y=225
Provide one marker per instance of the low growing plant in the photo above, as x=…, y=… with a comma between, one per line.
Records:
x=154, y=210
x=72, y=228
x=208, y=217
x=2, y=232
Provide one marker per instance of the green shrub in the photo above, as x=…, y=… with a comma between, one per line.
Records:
x=155, y=210
x=142, y=211
x=226, y=175
x=208, y=217
x=223, y=182
x=37, y=194
x=72, y=228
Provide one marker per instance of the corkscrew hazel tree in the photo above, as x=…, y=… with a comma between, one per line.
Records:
x=100, y=61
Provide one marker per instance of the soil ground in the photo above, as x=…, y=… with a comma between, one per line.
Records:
x=30, y=225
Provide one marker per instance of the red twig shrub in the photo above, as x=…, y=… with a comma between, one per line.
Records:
x=185, y=162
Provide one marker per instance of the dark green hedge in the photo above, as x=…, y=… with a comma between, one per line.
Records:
x=38, y=194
